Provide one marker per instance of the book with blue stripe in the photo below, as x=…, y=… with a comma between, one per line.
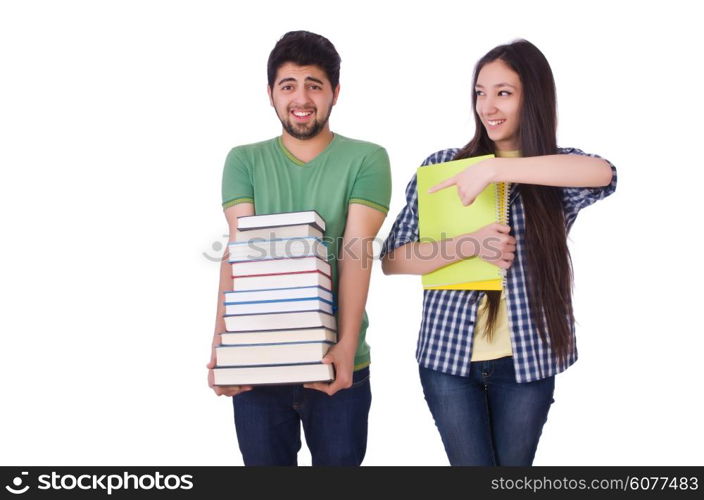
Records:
x=320, y=334
x=299, y=292
x=277, y=306
x=283, y=248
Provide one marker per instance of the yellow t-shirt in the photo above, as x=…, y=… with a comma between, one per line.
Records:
x=500, y=345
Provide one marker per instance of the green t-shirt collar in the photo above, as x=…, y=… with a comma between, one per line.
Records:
x=295, y=160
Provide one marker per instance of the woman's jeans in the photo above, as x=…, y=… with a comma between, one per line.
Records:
x=268, y=423
x=488, y=418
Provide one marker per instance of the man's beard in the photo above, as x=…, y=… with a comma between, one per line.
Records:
x=304, y=133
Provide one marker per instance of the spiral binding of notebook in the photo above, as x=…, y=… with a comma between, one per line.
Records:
x=503, y=190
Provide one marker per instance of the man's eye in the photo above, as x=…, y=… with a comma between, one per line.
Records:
x=315, y=87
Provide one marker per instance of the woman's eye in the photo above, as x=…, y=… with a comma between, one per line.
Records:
x=478, y=92
x=504, y=93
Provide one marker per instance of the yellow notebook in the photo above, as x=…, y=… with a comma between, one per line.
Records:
x=441, y=215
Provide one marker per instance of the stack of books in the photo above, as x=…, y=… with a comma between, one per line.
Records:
x=279, y=315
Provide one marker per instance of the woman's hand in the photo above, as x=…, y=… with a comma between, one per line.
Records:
x=493, y=244
x=470, y=182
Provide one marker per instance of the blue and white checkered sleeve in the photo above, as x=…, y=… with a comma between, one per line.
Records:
x=575, y=199
x=405, y=228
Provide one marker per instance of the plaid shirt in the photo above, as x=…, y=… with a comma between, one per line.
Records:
x=449, y=316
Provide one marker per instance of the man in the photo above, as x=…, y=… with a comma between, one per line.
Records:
x=348, y=182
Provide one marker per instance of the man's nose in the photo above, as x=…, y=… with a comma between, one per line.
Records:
x=300, y=96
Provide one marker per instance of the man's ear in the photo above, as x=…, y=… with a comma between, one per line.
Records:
x=335, y=93
x=268, y=91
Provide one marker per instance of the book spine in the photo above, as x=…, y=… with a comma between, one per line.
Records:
x=235, y=244
x=282, y=274
x=272, y=301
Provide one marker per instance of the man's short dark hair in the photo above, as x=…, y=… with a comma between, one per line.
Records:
x=304, y=48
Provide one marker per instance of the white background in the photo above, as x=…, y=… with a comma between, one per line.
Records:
x=115, y=120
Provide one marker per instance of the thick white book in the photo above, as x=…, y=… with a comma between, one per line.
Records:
x=282, y=219
x=275, y=233
x=283, y=281
x=280, y=266
x=279, y=374
x=301, y=292
x=279, y=321
x=274, y=336
x=277, y=249
x=271, y=354
x=275, y=306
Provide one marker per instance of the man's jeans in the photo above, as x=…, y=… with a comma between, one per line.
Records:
x=268, y=423
x=488, y=418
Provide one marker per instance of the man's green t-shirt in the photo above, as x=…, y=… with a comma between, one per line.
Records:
x=347, y=171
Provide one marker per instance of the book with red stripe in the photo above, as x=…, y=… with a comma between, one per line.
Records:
x=274, y=233
x=280, y=266
x=282, y=280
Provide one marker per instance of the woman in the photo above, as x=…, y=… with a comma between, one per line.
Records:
x=488, y=359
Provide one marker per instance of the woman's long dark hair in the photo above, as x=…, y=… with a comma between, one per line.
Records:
x=549, y=266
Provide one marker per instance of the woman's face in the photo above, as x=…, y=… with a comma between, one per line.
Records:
x=499, y=99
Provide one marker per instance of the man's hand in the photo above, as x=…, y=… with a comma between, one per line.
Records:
x=342, y=357
x=231, y=214
x=223, y=390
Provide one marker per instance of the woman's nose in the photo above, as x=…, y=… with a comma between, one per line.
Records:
x=489, y=105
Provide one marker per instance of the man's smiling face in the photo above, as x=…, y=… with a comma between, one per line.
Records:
x=303, y=99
